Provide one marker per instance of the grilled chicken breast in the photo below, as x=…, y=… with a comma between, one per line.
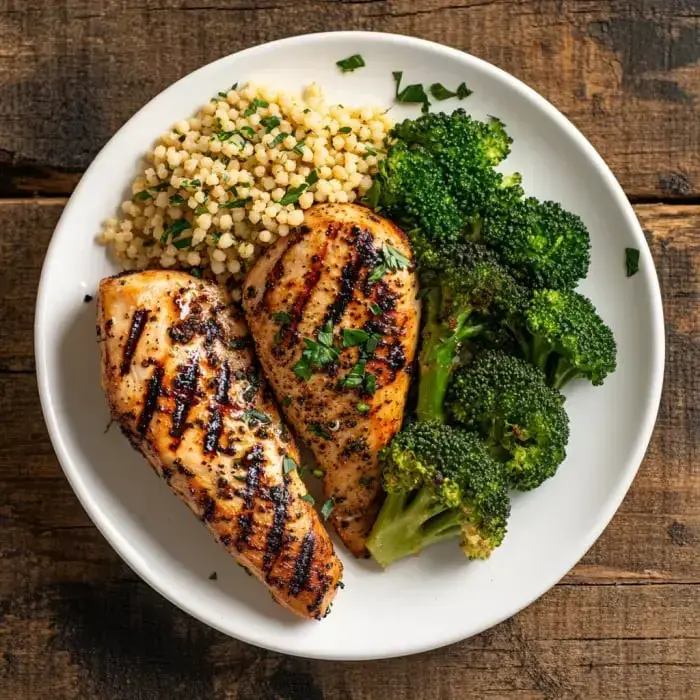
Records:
x=182, y=383
x=333, y=312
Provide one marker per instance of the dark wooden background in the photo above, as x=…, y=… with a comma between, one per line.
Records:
x=76, y=623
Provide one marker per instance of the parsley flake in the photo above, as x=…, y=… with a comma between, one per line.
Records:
x=411, y=94
x=254, y=417
x=440, y=92
x=351, y=63
x=308, y=498
x=632, y=261
x=318, y=429
x=288, y=464
x=327, y=508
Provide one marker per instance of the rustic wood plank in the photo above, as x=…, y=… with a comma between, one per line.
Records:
x=626, y=71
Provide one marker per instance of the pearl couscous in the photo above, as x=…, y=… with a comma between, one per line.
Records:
x=220, y=187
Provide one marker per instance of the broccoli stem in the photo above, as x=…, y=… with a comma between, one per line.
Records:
x=437, y=358
x=406, y=527
x=563, y=373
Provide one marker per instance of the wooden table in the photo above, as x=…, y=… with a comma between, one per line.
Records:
x=75, y=622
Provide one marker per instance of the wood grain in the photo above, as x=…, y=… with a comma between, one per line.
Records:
x=624, y=71
x=76, y=623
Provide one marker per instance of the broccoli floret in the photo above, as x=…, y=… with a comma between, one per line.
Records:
x=563, y=335
x=543, y=244
x=441, y=483
x=523, y=420
x=413, y=192
x=467, y=294
x=438, y=175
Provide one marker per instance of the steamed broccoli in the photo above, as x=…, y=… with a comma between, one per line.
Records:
x=541, y=243
x=466, y=293
x=441, y=483
x=563, y=335
x=438, y=175
x=523, y=420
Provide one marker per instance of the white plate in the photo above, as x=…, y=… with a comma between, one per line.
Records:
x=421, y=603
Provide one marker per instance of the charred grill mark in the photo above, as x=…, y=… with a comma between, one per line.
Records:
x=155, y=384
x=302, y=565
x=223, y=384
x=314, y=608
x=277, y=271
x=254, y=457
x=275, y=537
x=138, y=323
x=184, y=387
x=396, y=358
x=211, y=439
x=348, y=282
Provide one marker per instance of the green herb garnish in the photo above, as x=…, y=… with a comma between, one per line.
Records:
x=355, y=376
x=236, y=203
x=632, y=261
x=160, y=187
x=345, y=130
x=282, y=317
x=287, y=401
x=317, y=355
x=394, y=259
x=318, y=429
x=371, y=197
x=270, y=123
x=239, y=343
x=288, y=464
x=292, y=196
x=308, y=498
x=363, y=407
x=278, y=139
x=143, y=194
x=191, y=184
x=411, y=94
x=252, y=417
x=299, y=147
x=370, y=383
x=327, y=507
x=181, y=243
x=440, y=92
x=247, y=132
x=351, y=63
x=463, y=91
x=254, y=106
x=177, y=199
x=375, y=309
x=175, y=230
x=318, y=473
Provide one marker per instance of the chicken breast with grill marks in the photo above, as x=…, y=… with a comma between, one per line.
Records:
x=334, y=315
x=182, y=383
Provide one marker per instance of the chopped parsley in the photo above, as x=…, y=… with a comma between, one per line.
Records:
x=299, y=147
x=177, y=199
x=327, y=508
x=144, y=194
x=247, y=132
x=270, y=123
x=370, y=383
x=291, y=196
x=196, y=272
x=411, y=94
x=375, y=309
x=191, y=184
x=288, y=464
x=176, y=229
x=440, y=92
x=463, y=91
x=160, y=186
x=181, y=243
x=632, y=261
x=355, y=376
x=318, y=429
x=282, y=317
x=278, y=139
x=358, y=336
x=254, y=106
x=287, y=401
x=318, y=473
x=351, y=63
x=239, y=343
x=236, y=203
x=308, y=498
x=363, y=407
x=345, y=130
x=225, y=135
x=371, y=197
x=254, y=417
x=317, y=354
x=394, y=259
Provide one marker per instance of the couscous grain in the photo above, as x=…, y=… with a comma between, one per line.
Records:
x=220, y=187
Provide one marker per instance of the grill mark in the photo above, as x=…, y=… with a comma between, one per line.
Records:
x=302, y=565
x=138, y=323
x=363, y=255
x=184, y=386
x=211, y=439
x=155, y=384
x=310, y=280
x=223, y=384
x=252, y=483
x=275, y=538
x=277, y=271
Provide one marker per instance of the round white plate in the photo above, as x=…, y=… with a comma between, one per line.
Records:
x=439, y=597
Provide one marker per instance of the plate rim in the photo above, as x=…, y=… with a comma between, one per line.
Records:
x=608, y=507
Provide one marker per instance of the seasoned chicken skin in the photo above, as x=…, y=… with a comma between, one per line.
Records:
x=334, y=315
x=181, y=381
